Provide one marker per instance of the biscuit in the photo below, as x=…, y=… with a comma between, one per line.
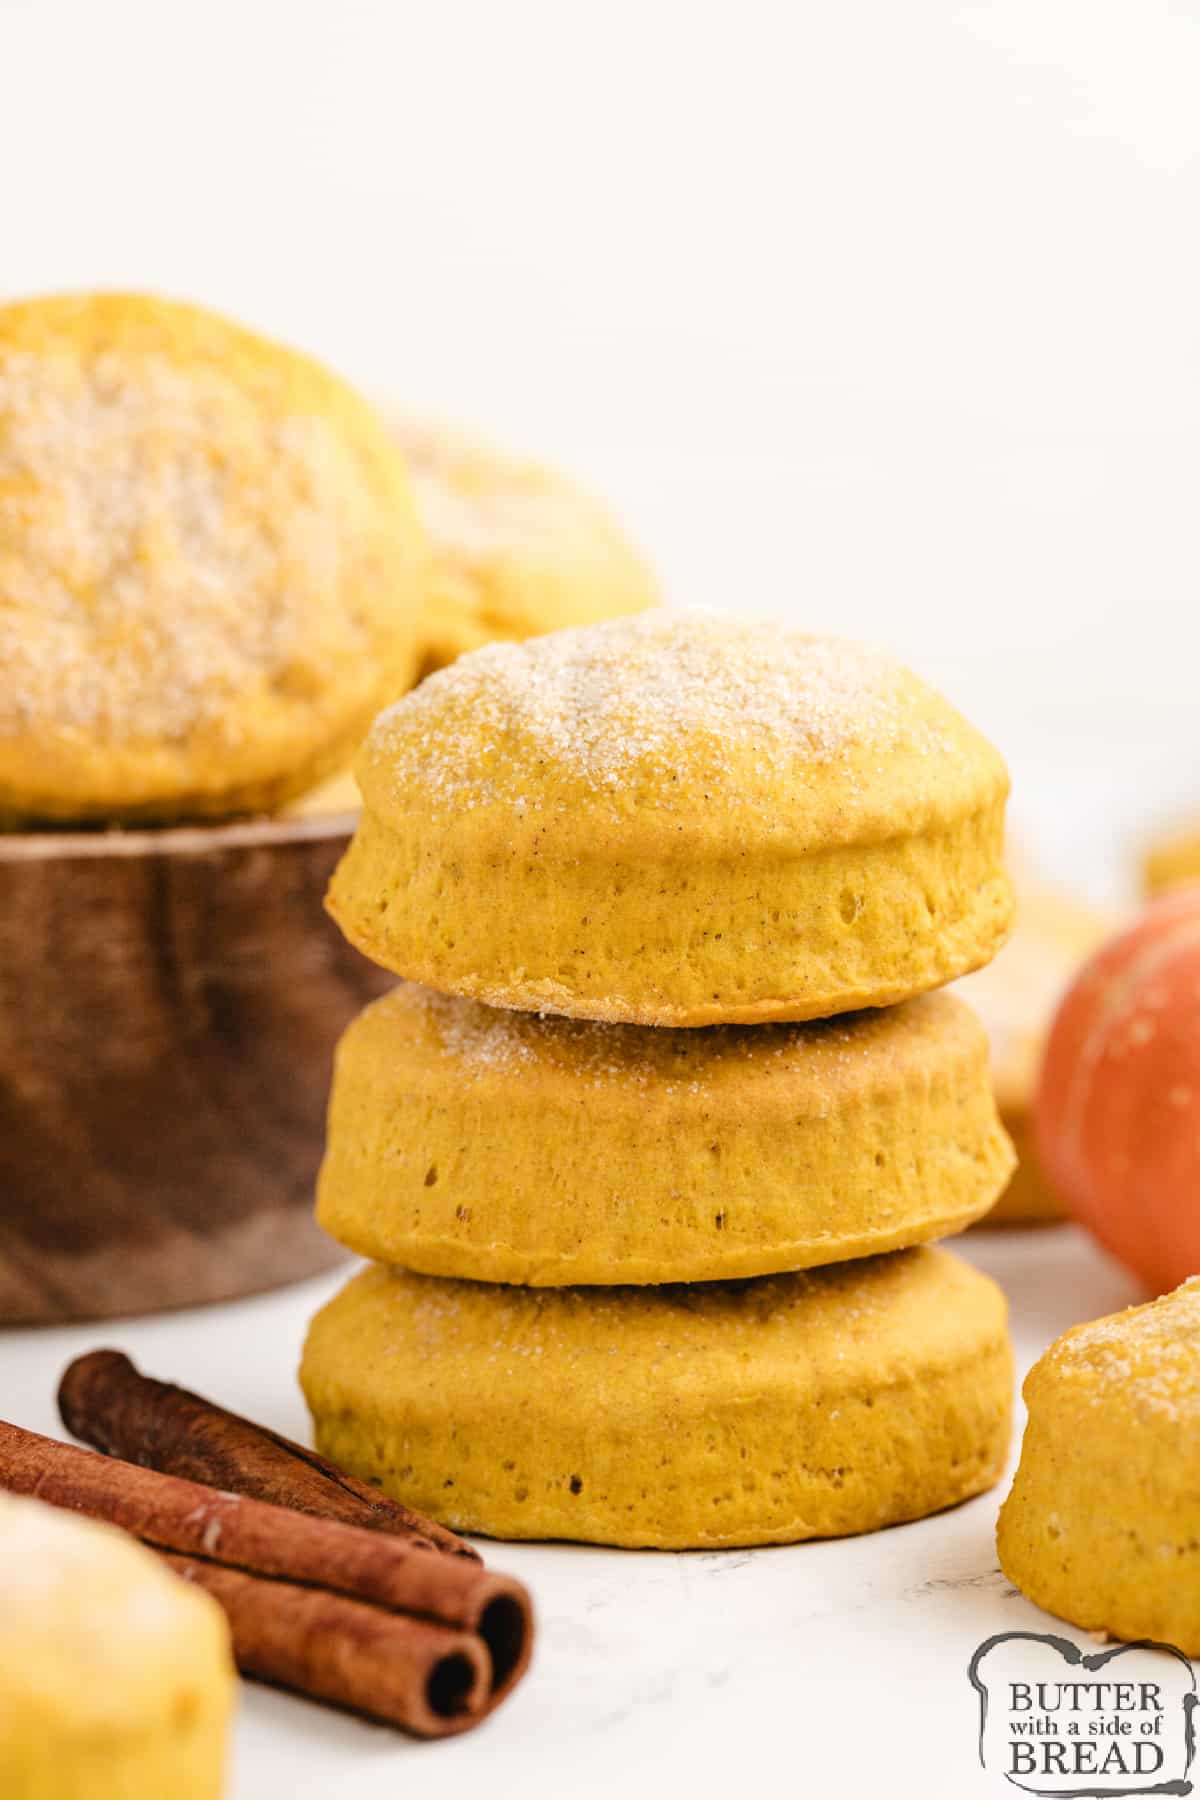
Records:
x=116, y=1678
x=1173, y=861
x=517, y=550
x=210, y=565
x=1102, y=1526
x=677, y=819
x=337, y=795
x=794, y=1406
x=1016, y=997
x=506, y=1147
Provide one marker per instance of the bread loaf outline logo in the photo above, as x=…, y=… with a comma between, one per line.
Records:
x=1064, y=1725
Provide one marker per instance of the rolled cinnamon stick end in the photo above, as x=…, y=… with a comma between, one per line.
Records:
x=197, y=1520
x=425, y=1678
x=107, y=1402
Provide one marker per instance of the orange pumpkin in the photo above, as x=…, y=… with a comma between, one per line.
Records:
x=1118, y=1104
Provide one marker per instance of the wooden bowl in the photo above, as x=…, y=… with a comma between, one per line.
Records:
x=169, y=1004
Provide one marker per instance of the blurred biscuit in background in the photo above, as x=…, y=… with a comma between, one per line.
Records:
x=1172, y=860
x=518, y=550
x=211, y=567
x=1016, y=997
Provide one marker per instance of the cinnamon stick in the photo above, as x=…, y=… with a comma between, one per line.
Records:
x=105, y=1400
x=281, y=1549
x=402, y=1671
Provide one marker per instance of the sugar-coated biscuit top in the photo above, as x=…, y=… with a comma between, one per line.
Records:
x=684, y=713
x=859, y=1322
x=209, y=563
x=517, y=548
x=829, y=1061
x=1144, y=1361
x=677, y=819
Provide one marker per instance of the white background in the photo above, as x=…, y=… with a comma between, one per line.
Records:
x=885, y=316
x=880, y=315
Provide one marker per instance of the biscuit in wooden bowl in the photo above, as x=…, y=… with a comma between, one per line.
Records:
x=210, y=565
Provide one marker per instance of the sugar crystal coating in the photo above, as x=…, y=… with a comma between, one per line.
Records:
x=484, y=1039
x=1148, y=1356
x=204, y=537
x=677, y=697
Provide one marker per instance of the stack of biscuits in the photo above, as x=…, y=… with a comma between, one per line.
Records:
x=649, y=1145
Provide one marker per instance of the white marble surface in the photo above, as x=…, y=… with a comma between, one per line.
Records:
x=816, y=1669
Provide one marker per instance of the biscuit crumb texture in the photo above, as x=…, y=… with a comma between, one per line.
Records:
x=509, y=1147
x=796, y=1406
x=677, y=819
x=1102, y=1526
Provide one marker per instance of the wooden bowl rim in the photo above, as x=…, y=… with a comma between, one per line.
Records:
x=173, y=840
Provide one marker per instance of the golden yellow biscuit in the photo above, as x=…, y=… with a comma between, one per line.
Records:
x=1102, y=1525
x=795, y=1406
x=467, y=1141
x=1016, y=997
x=517, y=550
x=677, y=819
x=1173, y=861
x=116, y=1678
x=210, y=564
x=337, y=795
